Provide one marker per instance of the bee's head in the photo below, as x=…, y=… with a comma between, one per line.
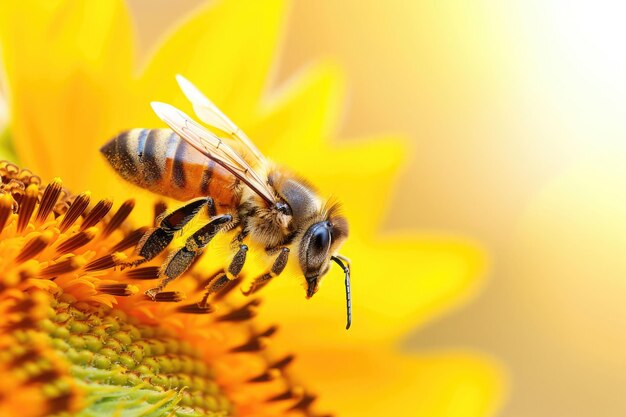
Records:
x=319, y=243
x=321, y=229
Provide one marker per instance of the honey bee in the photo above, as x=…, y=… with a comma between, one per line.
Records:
x=226, y=175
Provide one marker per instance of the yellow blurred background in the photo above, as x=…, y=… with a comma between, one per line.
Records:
x=516, y=115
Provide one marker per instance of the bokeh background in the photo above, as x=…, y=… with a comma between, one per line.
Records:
x=516, y=117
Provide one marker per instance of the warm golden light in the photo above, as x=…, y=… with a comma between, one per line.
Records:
x=74, y=81
x=496, y=279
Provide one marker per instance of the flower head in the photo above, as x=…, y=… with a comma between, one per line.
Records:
x=78, y=335
x=82, y=88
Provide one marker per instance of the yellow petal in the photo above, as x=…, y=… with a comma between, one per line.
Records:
x=6, y=146
x=374, y=381
x=64, y=96
x=226, y=50
x=301, y=114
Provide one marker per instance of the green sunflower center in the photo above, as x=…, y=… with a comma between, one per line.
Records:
x=131, y=369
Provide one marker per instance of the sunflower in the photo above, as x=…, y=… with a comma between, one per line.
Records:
x=71, y=342
x=73, y=82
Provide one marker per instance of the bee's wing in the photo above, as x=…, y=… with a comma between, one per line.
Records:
x=210, y=114
x=213, y=147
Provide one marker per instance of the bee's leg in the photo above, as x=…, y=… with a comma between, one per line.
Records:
x=243, y=232
x=210, y=207
x=178, y=261
x=238, y=240
x=155, y=240
x=276, y=269
x=223, y=278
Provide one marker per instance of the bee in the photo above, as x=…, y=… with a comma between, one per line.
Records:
x=226, y=175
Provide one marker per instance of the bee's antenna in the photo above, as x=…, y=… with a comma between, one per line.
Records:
x=346, y=269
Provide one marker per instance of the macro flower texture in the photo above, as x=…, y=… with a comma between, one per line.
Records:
x=77, y=334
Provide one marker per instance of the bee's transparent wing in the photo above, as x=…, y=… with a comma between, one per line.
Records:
x=213, y=147
x=210, y=114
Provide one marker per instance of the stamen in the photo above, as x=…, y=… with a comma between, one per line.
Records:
x=45, y=376
x=274, y=370
x=61, y=402
x=122, y=290
x=119, y=217
x=28, y=356
x=14, y=187
x=284, y=362
x=196, y=308
x=63, y=267
x=168, y=296
x=130, y=240
x=8, y=169
x=146, y=272
x=48, y=200
x=75, y=211
x=254, y=344
x=27, y=272
x=269, y=332
x=304, y=403
x=76, y=241
x=106, y=262
x=27, y=177
x=96, y=214
x=291, y=393
x=6, y=208
x=23, y=306
x=63, y=203
x=21, y=324
x=246, y=312
x=27, y=206
x=269, y=375
x=34, y=247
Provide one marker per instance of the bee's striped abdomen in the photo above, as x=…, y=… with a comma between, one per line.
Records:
x=160, y=161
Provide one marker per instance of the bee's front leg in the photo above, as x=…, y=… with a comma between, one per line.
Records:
x=180, y=260
x=277, y=267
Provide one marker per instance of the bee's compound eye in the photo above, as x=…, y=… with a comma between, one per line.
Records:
x=317, y=241
x=320, y=241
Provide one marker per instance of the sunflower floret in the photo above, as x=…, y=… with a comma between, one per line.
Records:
x=124, y=366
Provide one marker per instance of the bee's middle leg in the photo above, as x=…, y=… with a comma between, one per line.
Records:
x=225, y=277
x=180, y=260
